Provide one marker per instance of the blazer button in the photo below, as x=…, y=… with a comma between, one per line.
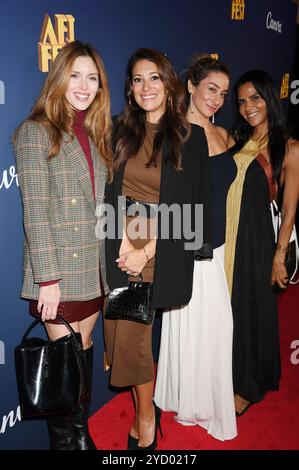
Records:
x=174, y=240
x=74, y=202
x=75, y=255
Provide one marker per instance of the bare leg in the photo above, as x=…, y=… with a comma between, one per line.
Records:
x=146, y=414
x=86, y=327
x=240, y=403
x=134, y=428
x=58, y=331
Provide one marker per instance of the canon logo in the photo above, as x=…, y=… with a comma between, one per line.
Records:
x=8, y=178
x=10, y=420
x=275, y=25
x=2, y=92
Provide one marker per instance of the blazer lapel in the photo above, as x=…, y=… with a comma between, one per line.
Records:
x=100, y=173
x=78, y=160
x=167, y=169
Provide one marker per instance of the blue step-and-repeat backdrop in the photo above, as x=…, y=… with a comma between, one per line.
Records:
x=245, y=34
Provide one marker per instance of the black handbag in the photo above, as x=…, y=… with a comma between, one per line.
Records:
x=50, y=374
x=291, y=263
x=133, y=302
x=292, y=253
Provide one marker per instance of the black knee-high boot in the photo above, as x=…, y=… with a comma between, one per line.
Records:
x=61, y=433
x=82, y=438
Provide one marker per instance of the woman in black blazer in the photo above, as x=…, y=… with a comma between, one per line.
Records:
x=159, y=159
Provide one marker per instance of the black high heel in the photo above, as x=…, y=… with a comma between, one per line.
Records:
x=153, y=445
x=132, y=442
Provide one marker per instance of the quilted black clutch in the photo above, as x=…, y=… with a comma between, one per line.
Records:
x=133, y=302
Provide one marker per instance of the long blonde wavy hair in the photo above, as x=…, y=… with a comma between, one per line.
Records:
x=53, y=110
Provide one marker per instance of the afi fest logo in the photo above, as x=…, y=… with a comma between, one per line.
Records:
x=238, y=10
x=284, y=89
x=2, y=92
x=53, y=38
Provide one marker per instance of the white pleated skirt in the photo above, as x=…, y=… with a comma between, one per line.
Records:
x=194, y=375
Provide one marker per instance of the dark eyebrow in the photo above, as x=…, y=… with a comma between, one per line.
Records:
x=250, y=96
x=215, y=84
x=212, y=83
x=139, y=74
x=254, y=94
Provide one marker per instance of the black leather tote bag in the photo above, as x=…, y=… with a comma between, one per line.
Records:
x=50, y=374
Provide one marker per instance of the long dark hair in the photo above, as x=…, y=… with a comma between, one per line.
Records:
x=278, y=135
x=173, y=125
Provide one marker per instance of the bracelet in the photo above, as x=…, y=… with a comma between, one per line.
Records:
x=146, y=255
x=281, y=249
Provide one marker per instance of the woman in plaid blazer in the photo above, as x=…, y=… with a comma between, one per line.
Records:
x=63, y=160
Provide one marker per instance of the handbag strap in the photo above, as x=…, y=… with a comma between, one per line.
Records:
x=275, y=218
x=38, y=320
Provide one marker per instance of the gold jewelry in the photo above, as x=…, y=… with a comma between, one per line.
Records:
x=191, y=104
x=146, y=255
x=281, y=249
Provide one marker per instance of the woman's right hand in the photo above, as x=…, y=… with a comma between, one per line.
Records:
x=48, y=300
x=279, y=273
x=125, y=246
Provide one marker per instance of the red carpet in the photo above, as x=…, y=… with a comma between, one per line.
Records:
x=271, y=424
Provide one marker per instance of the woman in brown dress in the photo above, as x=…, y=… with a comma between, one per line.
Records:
x=159, y=158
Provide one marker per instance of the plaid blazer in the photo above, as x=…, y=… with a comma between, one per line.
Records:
x=59, y=215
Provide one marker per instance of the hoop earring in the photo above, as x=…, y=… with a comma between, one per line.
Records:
x=191, y=104
x=213, y=119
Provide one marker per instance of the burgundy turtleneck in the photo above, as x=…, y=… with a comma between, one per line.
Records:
x=82, y=136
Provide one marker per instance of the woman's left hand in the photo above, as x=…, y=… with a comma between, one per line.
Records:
x=132, y=262
x=279, y=273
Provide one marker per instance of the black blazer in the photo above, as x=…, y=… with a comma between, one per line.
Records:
x=173, y=275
